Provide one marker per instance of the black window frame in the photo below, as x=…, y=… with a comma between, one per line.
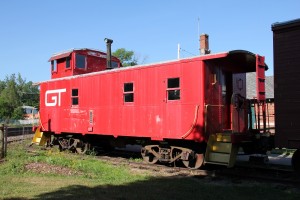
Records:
x=173, y=89
x=128, y=92
x=75, y=97
x=68, y=62
x=53, y=65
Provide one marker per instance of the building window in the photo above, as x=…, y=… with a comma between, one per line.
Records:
x=128, y=92
x=54, y=65
x=80, y=61
x=173, y=89
x=75, y=98
x=68, y=65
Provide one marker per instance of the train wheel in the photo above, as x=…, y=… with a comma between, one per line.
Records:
x=62, y=143
x=148, y=157
x=194, y=162
x=296, y=160
x=82, y=147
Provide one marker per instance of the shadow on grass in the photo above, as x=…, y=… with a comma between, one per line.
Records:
x=186, y=188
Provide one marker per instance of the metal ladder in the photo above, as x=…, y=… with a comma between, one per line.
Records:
x=220, y=150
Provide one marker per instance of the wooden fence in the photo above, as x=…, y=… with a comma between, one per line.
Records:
x=3, y=141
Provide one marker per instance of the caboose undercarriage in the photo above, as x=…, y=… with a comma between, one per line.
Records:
x=190, y=153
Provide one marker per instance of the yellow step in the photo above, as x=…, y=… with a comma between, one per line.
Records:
x=40, y=138
x=220, y=150
x=219, y=157
x=221, y=147
x=223, y=137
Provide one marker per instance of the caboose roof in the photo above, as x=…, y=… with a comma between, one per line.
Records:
x=67, y=53
x=240, y=60
x=243, y=61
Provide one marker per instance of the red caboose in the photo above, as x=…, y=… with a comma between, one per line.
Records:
x=177, y=110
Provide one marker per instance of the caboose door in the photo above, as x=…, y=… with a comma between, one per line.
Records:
x=239, y=104
x=217, y=100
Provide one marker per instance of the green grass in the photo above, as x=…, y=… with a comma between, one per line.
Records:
x=100, y=180
x=20, y=182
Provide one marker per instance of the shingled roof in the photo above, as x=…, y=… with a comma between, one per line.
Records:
x=251, y=86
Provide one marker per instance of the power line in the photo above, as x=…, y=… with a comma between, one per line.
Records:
x=187, y=52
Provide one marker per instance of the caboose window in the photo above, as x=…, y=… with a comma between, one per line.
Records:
x=173, y=89
x=173, y=83
x=53, y=65
x=128, y=92
x=75, y=100
x=68, y=65
x=80, y=61
x=114, y=64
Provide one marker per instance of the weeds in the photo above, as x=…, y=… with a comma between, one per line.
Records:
x=138, y=160
x=85, y=177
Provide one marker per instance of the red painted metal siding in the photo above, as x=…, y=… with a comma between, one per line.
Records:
x=101, y=108
x=61, y=70
x=150, y=115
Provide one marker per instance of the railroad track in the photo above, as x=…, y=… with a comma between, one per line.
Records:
x=268, y=174
x=238, y=174
x=19, y=138
x=134, y=161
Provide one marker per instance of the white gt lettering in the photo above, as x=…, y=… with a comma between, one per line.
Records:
x=55, y=98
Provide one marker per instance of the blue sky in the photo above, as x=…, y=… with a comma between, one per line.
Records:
x=32, y=30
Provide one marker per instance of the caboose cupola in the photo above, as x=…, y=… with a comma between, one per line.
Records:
x=80, y=61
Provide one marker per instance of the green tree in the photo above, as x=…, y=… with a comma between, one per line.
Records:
x=2, y=86
x=126, y=57
x=29, y=93
x=18, y=113
x=6, y=109
x=14, y=93
x=10, y=93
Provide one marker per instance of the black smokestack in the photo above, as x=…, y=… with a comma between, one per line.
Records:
x=108, y=52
